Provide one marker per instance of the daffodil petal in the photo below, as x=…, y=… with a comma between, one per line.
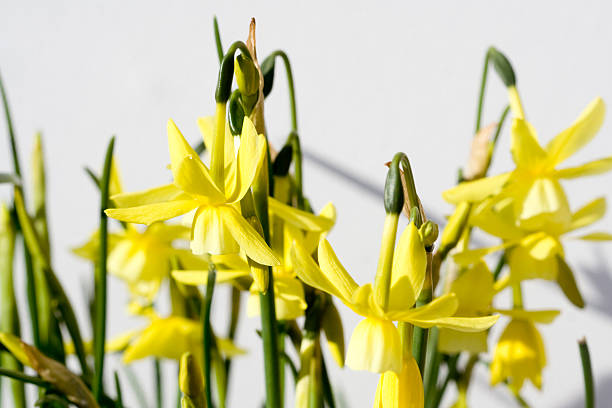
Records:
x=150, y=213
x=193, y=177
x=545, y=202
x=526, y=151
x=404, y=390
x=249, y=240
x=588, y=214
x=207, y=128
x=442, y=306
x=309, y=272
x=538, y=316
x=168, y=192
x=300, y=219
x=251, y=153
x=596, y=236
x=588, y=169
x=477, y=190
x=200, y=277
x=335, y=272
x=331, y=324
x=375, y=346
x=408, y=271
x=579, y=133
x=179, y=148
x=454, y=341
x=464, y=324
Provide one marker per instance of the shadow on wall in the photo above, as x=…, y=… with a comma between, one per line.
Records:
x=599, y=278
x=603, y=394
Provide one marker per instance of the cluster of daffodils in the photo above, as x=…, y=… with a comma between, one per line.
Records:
x=235, y=215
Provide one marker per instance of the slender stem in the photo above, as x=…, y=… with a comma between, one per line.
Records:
x=434, y=358
x=587, y=371
x=289, y=72
x=517, y=295
x=328, y=392
x=31, y=295
x=233, y=325
x=207, y=335
x=382, y=281
x=451, y=374
x=483, y=85
x=11, y=131
x=159, y=394
x=297, y=168
x=118, y=391
x=217, y=151
x=100, y=278
x=287, y=360
x=218, y=39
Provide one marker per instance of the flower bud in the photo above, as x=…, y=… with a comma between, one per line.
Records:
x=247, y=78
x=502, y=67
x=429, y=233
x=454, y=228
x=191, y=380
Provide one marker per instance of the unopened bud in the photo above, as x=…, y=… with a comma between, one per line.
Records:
x=247, y=78
x=429, y=233
x=191, y=380
x=454, y=228
x=502, y=66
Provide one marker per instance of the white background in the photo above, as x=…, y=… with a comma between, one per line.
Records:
x=371, y=78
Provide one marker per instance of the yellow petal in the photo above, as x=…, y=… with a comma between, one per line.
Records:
x=150, y=213
x=288, y=299
x=588, y=169
x=545, y=202
x=471, y=256
x=192, y=177
x=401, y=391
x=200, y=277
x=301, y=219
x=247, y=238
x=210, y=234
x=597, y=236
x=538, y=316
x=579, y=133
x=477, y=279
x=122, y=341
x=179, y=148
x=335, y=272
x=331, y=324
x=168, y=192
x=477, y=190
x=526, y=151
x=375, y=346
x=408, y=271
x=588, y=214
x=454, y=341
x=464, y=324
x=309, y=272
x=496, y=217
x=442, y=306
x=250, y=156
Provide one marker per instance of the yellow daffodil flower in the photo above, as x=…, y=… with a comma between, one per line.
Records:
x=375, y=342
x=477, y=279
x=288, y=225
x=520, y=353
x=531, y=253
x=218, y=227
x=403, y=390
x=537, y=196
x=168, y=337
x=143, y=259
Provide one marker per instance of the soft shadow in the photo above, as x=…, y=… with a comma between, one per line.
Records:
x=603, y=394
x=600, y=279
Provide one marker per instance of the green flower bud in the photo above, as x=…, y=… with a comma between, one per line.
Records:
x=429, y=233
x=502, y=66
x=191, y=380
x=247, y=77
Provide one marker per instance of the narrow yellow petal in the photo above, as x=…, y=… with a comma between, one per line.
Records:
x=526, y=151
x=300, y=219
x=207, y=128
x=309, y=272
x=249, y=240
x=150, y=213
x=442, y=306
x=408, y=271
x=250, y=156
x=454, y=341
x=545, y=202
x=579, y=133
x=335, y=272
x=464, y=324
x=375, y=346
x=179, y=148
x=596, y=236
x=201, y=277
x=192, y=177
x=477, y=190
x=588, y=169
x=537, y=316
x=168, y=192
x=588, y=214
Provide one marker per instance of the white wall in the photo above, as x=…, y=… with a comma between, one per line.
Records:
x=372, y=79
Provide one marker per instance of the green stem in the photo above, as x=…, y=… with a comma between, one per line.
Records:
x=118, y=391
x=233, y=325
x=499, y=267
x=207, y=335
x=100, y=278
x=483, y=85
x=328, y=392
x=291, y=86
x=11, y=131
x=587, y=371
x=434, y=358
x=294, y=372
x=451, y=374
x=31, y=295
x=297, y=168
x=158, y=383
